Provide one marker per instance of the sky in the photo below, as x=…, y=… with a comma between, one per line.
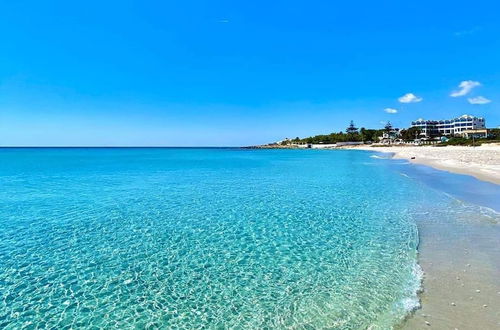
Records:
x=233, y=73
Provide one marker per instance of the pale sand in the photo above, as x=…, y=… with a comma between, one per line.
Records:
x=482, y=162
x=460, y=259
x=461, y=262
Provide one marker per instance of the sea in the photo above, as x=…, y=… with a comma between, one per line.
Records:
x=218, y=238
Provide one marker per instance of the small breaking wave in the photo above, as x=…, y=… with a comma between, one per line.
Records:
x=382, y=156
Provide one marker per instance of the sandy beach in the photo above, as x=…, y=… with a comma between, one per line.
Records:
x=482, y=162
x=460, y=259
x=461, y=286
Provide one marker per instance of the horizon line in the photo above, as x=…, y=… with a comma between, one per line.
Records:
x=158, y=147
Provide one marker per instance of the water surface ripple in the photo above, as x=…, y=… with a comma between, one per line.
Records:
x=206, y=238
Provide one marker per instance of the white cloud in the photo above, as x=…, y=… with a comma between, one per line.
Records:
x=391, y=110
x=465, y=87
x=478, y=100
x=409, y=98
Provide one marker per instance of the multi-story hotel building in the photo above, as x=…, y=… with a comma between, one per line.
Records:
x=449, y=127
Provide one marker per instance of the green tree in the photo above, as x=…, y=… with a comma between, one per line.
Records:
x=494, y=133
x=410, y=133
x=351, y=129
x=352, y=133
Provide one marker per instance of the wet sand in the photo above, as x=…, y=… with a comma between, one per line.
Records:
x=461, y=262
x=459, y=254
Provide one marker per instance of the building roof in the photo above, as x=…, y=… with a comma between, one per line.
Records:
x=462, y=117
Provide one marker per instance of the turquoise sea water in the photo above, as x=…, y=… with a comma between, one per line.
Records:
x=213, y=238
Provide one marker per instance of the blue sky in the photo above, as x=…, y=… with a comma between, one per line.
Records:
x=212, y=73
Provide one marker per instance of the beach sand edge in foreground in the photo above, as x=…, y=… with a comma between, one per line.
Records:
x=461, y=265
x=460, y=260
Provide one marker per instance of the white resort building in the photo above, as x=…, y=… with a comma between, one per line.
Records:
x=461, y=126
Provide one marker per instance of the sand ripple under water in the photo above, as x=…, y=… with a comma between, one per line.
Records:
x=190, y=238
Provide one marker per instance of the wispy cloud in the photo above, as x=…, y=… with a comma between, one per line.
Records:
x=467, y=32
x=391, y=110
x=223, y=20
x=409, y=98
x=478, y=100
x=465, y=87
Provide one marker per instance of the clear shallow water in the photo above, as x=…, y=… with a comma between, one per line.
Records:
x=216, y=238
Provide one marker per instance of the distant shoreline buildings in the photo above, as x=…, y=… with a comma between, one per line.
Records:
x=421, y=131
x=461, y=126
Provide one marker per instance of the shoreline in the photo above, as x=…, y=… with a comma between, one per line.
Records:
x=461, y=270
x=460, y=286
x=482, y=162
x=459, y=258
